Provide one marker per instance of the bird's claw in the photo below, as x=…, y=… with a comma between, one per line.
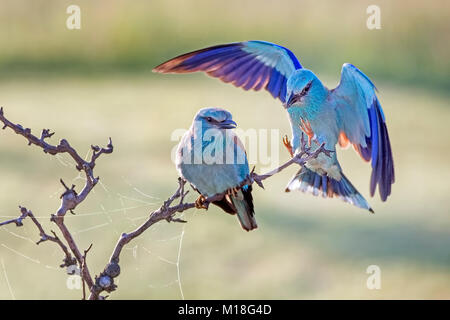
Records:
x=232, y=191
x=305, y=126
x=288, y=145
x=200, y=203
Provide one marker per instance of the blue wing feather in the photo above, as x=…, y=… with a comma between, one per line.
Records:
x=272, y=85
x=362, y=120
x=250, y=65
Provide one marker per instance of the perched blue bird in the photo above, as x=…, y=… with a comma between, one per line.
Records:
x=348, y=114
x=212, y=159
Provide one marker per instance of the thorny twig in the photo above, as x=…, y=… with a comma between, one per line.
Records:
x=68, y=260
x=83, y=266
x=304, y=155
x=70, y=199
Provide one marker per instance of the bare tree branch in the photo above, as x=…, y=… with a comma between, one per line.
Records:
x=70, y=199
x=68, y=260
x=105, y=281
x=303, y=156
x=83, y=266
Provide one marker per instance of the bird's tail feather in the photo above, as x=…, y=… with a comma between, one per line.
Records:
x=309, y=181
x=243, y=202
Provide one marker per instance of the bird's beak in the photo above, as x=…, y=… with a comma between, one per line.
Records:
x=227, y=124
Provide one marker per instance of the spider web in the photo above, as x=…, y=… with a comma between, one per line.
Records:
x=131, y=207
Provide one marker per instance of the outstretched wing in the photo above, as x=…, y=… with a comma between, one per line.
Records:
x=363, y=124
x=250, y=65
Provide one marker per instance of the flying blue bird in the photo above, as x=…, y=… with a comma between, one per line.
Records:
x=212, y=159
x=347, y=114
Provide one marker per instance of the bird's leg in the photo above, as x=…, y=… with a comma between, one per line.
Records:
x=306, y=128
x=200, y=202
x=288, y=145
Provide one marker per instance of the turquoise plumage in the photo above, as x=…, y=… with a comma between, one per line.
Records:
x=348, y=114
x=213, y=160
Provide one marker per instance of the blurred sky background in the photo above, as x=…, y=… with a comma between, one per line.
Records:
x=96, y=82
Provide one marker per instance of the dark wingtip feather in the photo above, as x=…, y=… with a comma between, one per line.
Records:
x=247, y=192
x=245, y=209
x=383, y=173
x=170, y=65
x=175, y=65
x=225, y=205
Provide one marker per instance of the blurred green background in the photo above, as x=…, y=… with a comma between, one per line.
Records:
x=96, y=82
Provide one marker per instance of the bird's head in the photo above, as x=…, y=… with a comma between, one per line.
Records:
x=214, y=118
x=304, y=89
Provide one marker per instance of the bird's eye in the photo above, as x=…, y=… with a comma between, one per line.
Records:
x=308, y=86
x=209, y=119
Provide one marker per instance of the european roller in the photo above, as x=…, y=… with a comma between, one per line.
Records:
x=212, y=159
x=349, y=114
